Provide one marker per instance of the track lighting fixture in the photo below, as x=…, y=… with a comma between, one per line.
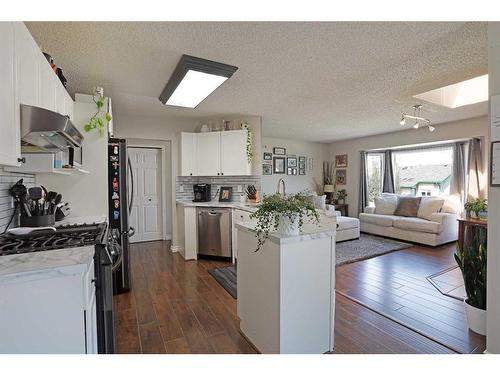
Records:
x=417, y=117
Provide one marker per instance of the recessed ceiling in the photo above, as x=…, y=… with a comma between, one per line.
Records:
x=312, y=81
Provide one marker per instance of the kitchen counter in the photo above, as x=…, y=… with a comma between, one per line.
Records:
x=71, y=260
x=71, y=220
x=249, y=207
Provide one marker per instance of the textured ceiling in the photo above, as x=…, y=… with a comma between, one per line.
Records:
x=311, y=81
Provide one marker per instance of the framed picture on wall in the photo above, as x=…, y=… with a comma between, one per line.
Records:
x=279, y=151
x=279, y=165
x=291, y=162
x=302, y=171
x=268, y=156
x=341, y=161
x=267, y=169
x=341, y=176
x=291, y=171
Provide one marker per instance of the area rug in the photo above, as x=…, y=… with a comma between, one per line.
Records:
x=449, y=282
x=226, y=277
x=367, y=246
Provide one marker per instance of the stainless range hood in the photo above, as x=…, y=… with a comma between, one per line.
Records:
x=47, y=129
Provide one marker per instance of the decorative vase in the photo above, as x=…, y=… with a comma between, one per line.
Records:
x=288, y=226
x=476, y=319
x=483, y=215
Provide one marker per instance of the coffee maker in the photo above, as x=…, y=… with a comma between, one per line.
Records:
x=202, y=193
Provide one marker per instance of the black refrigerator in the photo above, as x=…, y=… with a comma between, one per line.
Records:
x=120, y=196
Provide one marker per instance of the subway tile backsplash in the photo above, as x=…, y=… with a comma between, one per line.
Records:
x=187, y=183
x=7, y=179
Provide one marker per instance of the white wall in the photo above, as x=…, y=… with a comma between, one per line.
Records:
x=296, y=183
x=477, y=127
x=493, y=286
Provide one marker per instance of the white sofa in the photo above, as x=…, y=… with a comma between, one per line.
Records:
x=436, y=229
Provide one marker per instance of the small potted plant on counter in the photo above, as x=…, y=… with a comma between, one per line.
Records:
x=284, y=215
x=476, y=208
x=472, y=260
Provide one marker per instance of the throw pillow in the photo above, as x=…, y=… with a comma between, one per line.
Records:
x=429, y=206
x=407, y=206
x=386, y=205
x=319, y=202
x=451, y=204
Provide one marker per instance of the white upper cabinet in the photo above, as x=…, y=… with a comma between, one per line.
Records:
x=214, y=154
x=233, y=158
x=25, y=78
x=188, y=154
x=10, y=143
x=208, y=154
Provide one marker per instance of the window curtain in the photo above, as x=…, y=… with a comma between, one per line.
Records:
x=474, y=187
x=458, y=178
x=363, y=184
x=388, y=182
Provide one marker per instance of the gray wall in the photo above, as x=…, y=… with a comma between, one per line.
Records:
x=7, y=179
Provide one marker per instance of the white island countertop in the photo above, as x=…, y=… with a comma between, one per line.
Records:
x=327, y=227
x=249, y=207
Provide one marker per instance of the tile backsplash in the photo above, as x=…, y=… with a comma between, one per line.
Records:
x=7, y=179
x=187, y=183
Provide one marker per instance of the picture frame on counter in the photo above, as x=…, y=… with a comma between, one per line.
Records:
x=225, y=194
x=279, y=165
x=267, y=169
x=268, y=156
x=279, y=151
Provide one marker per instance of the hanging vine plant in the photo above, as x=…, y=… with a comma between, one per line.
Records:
x=99, y=120
x=245, y=126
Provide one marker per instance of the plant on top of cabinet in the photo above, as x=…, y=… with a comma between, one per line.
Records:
x=285, y=215
x=97, y=121
x=244, y=125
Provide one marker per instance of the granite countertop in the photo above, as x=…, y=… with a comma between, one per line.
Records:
x=82, y=220
x=327, y=227
x=249, y=207
x=52, y=262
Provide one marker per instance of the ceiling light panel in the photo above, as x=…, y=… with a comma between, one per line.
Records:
x=193, y=80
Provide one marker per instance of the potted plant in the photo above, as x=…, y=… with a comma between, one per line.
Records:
x=341, y=196
x=472, y=259
x=284, y=215
x=476, y=208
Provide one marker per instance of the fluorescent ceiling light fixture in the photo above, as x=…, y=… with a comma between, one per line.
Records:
x=193, y=80
x=463, y=93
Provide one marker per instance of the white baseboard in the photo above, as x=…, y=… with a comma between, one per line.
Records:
x=167, y=237
x=175, y=248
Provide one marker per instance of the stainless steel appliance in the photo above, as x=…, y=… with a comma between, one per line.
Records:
x=120, y=197
x=106, y=257
x=47, y=129
x=214, y=232
x=202, y=193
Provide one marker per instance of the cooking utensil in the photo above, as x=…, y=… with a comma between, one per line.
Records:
x=36, y=193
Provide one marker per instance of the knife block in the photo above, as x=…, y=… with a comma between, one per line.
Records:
x=38, y=221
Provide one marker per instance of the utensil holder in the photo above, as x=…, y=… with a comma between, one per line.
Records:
x=38, y=221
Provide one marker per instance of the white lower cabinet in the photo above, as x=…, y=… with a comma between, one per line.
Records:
x=49, y=311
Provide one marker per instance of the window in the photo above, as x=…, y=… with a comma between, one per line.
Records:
x=423, y=173
x=374, y=168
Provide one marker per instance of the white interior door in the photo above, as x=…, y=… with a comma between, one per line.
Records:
x=146, y=216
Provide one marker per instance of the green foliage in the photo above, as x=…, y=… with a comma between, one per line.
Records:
x=472, y=260
x=374, y=185
x=341, y=194
x=98, y=121
x=246, y=127
x=476, y=205
x=274, y=206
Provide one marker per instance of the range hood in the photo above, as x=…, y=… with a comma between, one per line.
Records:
x=47, y=129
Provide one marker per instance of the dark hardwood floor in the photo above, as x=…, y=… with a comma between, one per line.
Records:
x=395, y=284
x=177, y=307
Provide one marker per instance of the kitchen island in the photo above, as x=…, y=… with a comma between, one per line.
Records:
x=286, y=290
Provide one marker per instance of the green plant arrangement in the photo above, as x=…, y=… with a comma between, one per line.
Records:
x=273, y=207
x=472, y=260
x=476, y=206
x=341, y=195
x=245, y=126
x=99, y=120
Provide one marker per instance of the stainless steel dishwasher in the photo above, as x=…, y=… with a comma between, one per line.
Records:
x=214, y=231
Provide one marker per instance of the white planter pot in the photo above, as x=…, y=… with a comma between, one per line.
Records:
x=287, y=226
x=476, y=318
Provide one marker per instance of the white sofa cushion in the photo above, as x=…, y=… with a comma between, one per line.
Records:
x=382, y=220
x=417, y=224
x=429, y=206
x=451, y=205
x=345, y=222
x=386, y=205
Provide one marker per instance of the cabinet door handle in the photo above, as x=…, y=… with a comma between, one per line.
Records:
x=21, y=160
